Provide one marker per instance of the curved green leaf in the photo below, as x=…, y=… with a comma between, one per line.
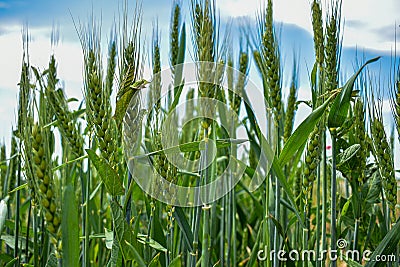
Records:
x=144, y=239
x=256, y=248
x=177, y=262
x=135, y=255
x=155, y=262
x=184, y=226
x=300, y=135
x=11, y=262
x=107, y=174
x=124, y=235
x=277, y=168
x=341, y=104
x=387, y=246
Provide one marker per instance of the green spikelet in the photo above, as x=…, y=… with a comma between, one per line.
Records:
x=313, y=157
x=298, y=183
x=332, y=49
x=111, y=65
x=253, y=159
x=98, y=104
x=318, y=32
x=383, y=156
x=155, y=89
x=174, y=35
x=129, y=59
x=360, y=138
x=23, y=99
x=167, y=170
x=156, y=59
x=290, y=109
x=203, y=16
x=93, y=91
x=130, y=77
x=43, y=178
x=235, y=99
x=59, y=106
x=204, y=32
x=271, y=54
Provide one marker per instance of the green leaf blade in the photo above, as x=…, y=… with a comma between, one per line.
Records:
x=387, y=246
x=300, y=135
x=184, y=225
x=107, y=174
x=124, y=235
x=70, y=227
x=341, y=104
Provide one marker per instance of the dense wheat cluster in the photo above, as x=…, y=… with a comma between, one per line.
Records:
x=70, y=183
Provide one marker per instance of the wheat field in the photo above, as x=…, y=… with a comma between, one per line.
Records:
x=194, y=164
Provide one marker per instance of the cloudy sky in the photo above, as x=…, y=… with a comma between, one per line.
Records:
x=369, y=30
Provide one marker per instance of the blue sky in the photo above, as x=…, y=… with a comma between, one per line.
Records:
x=369, y=28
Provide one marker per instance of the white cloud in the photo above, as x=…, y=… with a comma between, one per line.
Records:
x=11, y=56
x=373, y=14
x=69, y=60
x=238, y=8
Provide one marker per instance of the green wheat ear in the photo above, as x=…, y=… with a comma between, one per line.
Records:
x=383, y=153
x=332, y=48
x=383, y=156
x=313, y=157
x=43, y=178
x=66, y=124
x=271, y=55
x=291, y=106
x=318, y=32
x=360, y=138
x=174, y=35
